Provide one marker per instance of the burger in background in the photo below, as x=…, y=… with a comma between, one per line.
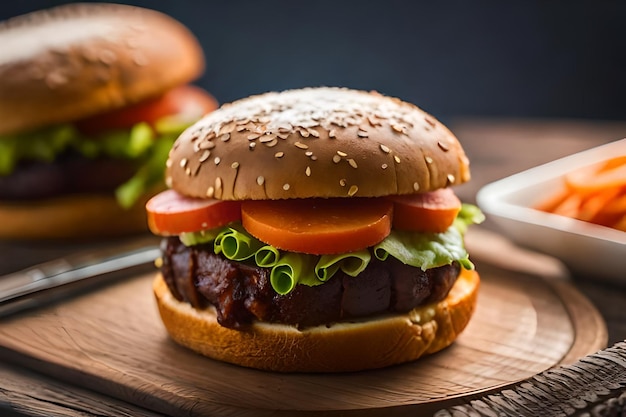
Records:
x=92, y=97
x=315, y=230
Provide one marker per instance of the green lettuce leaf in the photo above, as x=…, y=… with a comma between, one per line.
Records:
x=430, y=250
x=267, y=256
x=199, y=238
x=147, y=146
x=424, y=250
x=352, y=263
x=235, y=244
x=292, y=269
x=469, y=214
x=41, y=145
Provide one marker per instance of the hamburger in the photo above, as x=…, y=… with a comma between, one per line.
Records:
x=315, y=230
x=93, y=96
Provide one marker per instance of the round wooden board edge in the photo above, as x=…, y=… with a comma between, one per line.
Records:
x=590, y=330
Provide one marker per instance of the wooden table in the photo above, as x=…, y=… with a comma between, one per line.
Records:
x=496, y=148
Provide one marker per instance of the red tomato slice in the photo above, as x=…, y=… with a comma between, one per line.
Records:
x=189, y=101
x=318, y=226
x=170, y=213
x=426, y=212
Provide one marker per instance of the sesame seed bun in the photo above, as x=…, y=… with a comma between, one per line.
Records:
x=390, y=339
x=315, y=142
x=70, y=62
x=76, y=60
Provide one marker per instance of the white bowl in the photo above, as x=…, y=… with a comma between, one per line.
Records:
x=588, y=250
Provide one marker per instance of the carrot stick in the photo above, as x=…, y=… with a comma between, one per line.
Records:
x=596, y=194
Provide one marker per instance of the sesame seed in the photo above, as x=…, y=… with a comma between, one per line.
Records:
x=225, y=137
x=309, y=153
x=451, y=178
x=301, y=145
x=397, y=128
x=168, y=163
x=384, y=166
x=336, y=159
x=314, y=133
x=188, y=172
x=218, y=187
x=286, y=187
x=206, y=145
x=217, y=160
x=139, y=59
x=267, y=138
x=260, y=180
x=272, y=143
x=234, y=165
x=107, y=57
x=353, y=190
x=429, y=160
x=416, y=186
x=342, y=154
x=384, y=148
x=342, y=182
x=283, y=135
x=307, y=171
x=362, y=134
x=285, y=128
x=279, y=154
x=429, y=121
x=183, y=162
x=227, y=128
x=373, y=121
x=396, y=158
x=352, y=163
x=332, y=133
x=313, y=158
x=251, y=145
x=253, y=136
x=205, y=155
x=210, y=191
x=168, y=182
x=444, y=147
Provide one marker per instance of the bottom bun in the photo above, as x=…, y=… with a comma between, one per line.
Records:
x=70, y=217
x=375, y=342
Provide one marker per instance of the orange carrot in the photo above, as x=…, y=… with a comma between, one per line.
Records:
x=318, y=226
x=596, y=194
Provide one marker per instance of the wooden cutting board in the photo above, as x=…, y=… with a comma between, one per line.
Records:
x=112, y=341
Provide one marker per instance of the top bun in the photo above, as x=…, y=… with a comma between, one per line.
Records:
x=315, y=142
x=73, y=61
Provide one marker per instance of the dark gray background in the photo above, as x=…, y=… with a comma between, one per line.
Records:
x=453, y=58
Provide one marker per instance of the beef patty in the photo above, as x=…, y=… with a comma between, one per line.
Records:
x=69, y=174
x=242, y=293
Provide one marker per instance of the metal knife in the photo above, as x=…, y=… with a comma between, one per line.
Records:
x=52, y=280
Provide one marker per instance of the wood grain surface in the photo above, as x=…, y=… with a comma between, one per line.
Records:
x=111, y=341
x=594, y=386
